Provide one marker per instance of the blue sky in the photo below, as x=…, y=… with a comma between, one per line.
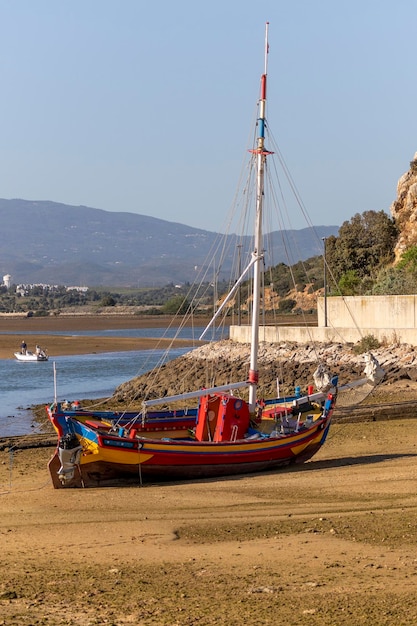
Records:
x=147, y=107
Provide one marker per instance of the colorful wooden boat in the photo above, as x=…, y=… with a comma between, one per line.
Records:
x=224, y=435
x=221, y=438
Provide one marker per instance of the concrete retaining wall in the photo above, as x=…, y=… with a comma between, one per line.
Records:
x=369, y=311
x=391, y=319
x=300, y=334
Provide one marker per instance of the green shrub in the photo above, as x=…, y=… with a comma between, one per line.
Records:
x=367, y=343
x=107, y=300
x=176, y=305
x=286, y=305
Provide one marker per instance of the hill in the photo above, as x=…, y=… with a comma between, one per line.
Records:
x=53, y=243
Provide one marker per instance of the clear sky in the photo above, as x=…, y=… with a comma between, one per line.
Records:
x=146, y=107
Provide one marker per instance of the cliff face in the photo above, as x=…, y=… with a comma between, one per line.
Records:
x=404, y=210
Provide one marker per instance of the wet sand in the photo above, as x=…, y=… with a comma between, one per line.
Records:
x=58, y=345
x=330, y=542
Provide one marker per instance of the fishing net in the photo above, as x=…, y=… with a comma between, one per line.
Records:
x=354, y=393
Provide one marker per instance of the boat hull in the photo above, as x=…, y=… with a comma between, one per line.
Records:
x=109, y=459
x=30, y=357
x=101, y=474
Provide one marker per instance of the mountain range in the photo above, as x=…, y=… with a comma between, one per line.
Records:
x=53, y=243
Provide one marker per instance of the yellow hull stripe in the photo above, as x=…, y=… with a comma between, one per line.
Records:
x=298, y=449
x=93, y=453
x=123, y=456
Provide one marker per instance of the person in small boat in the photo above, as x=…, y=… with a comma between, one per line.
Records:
x=38, y=349
x=23, y=347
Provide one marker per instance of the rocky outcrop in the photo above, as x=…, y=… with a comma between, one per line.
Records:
x=404, y=210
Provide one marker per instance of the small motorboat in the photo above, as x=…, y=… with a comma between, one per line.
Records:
x=39, y=355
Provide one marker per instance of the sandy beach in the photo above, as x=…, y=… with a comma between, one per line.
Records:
x=331, y=542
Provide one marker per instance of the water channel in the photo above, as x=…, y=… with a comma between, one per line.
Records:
x=79, y=376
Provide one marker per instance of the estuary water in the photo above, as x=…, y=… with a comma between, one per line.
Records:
x=74, y=377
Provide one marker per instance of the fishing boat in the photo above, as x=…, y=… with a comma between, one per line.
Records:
x=227, y=431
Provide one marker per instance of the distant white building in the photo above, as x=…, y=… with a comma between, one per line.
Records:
x=7, y=280
x=79, y=289
x=24, y=289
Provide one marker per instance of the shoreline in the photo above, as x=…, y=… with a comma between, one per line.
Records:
x=17, y=329
x=87, y=322
x=67, y=345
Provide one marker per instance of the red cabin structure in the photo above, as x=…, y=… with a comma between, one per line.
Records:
x=221, y=418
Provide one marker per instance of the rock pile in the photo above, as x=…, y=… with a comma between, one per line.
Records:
x=290, y=364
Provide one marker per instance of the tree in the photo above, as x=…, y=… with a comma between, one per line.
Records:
x=176, y=305
x=108, y=300
x=364, y=245
x=280, y=277
x=349, y=283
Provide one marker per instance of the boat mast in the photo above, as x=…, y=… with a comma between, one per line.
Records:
x=257, y=253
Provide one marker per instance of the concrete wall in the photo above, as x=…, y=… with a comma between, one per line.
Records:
x=391, y=319
x=369, y=311
x=300, y=334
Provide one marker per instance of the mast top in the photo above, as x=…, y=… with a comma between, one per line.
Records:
x=266, y=47
x=260, y=149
